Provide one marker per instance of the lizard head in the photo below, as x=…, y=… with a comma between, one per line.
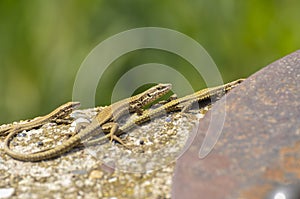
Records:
x=154, y=93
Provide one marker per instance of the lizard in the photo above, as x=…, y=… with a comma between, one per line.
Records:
x=59, y=113
x=183, y=104
x=110, y=114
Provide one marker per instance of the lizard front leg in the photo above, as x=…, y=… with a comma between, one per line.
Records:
x=113, y=131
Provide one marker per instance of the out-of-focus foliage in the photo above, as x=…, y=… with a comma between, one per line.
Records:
x=43, y=43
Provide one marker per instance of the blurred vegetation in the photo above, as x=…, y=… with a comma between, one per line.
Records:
x=43, y=43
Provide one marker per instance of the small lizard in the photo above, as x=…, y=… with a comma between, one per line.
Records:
x=108, y=114
x=59, y=113
x=183, y=104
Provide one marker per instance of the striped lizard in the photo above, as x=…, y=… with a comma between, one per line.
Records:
x=108, y=114
x=59, y=113
x=183, y=104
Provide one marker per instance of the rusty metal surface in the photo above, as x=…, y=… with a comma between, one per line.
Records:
x=259, y=148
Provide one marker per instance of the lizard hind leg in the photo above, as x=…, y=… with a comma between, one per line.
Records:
x=112, y=134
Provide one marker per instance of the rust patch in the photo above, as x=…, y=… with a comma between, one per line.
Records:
x=256, y=192
x=274, y=174
x=290, y=159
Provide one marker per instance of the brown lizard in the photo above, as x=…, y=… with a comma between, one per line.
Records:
x=59, y=113
x=108, y=114
x=183, y=104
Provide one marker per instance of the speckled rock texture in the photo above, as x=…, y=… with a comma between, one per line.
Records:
x=258, y=152
x=107, y=170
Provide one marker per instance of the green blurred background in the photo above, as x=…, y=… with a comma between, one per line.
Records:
x=43, y=43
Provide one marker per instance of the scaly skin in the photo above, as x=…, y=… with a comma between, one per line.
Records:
x=108, y=114
x=59, y=113
x=182, y=104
